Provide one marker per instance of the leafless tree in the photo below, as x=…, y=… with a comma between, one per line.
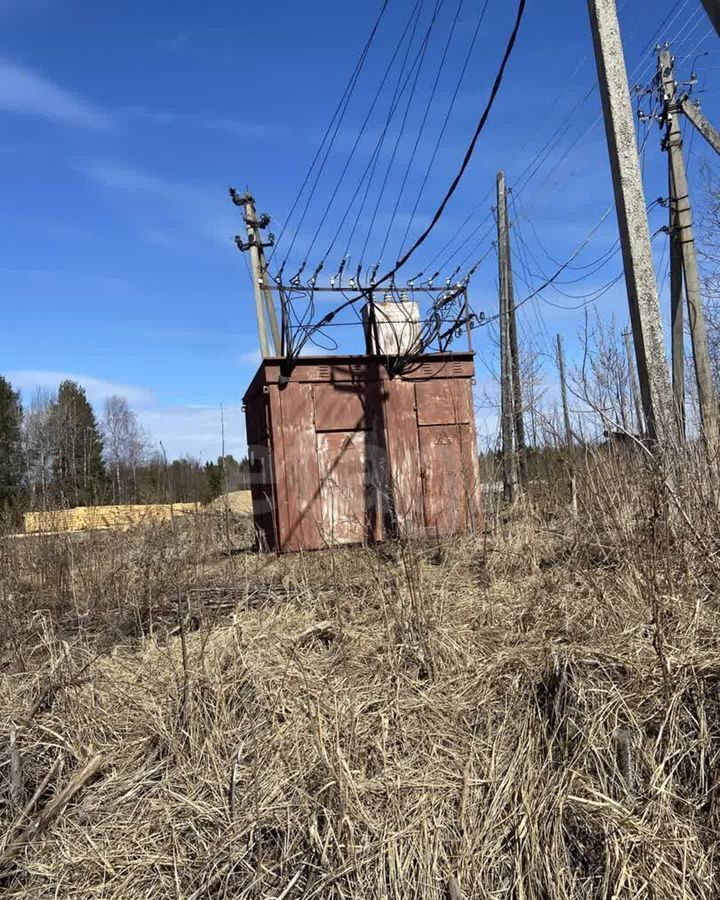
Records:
x=127, y=446
x=40, y=440
x=603, y=379
x=709, y=258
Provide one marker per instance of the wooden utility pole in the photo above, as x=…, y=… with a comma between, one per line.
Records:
x=507, y=405
x=563, y=394
x=568, y=427
x=264, y=302
x=634, y=389
x=712, y=7
x=681, y=212
x=632, y=220
x=677, y=324
x=518, y=420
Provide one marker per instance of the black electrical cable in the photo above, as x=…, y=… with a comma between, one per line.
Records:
x=463, y=167
x=370, y=169
x=563, y=267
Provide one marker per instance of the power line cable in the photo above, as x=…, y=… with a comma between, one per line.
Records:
x=450, y=110
x=334, y=192
x=421, y=129
x=338, y=115
x=375, y=157
x=458, y=177
x=401, y=132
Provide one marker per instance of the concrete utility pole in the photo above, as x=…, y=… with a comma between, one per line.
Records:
x=563, y=393
x=634, y=389
x=712, y=7
x=632, y=220
x=682, y=211
x=264, y=302
x=507, y=406
x=677, y=331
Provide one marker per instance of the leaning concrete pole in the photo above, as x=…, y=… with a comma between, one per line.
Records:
x=712, y=8
x=632, y=220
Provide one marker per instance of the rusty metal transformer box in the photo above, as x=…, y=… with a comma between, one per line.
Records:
x=344, y=451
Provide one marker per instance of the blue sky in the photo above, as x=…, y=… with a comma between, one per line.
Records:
x=123, y=125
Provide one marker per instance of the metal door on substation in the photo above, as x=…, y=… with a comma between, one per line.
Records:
x=346, y=423
x=445, y=436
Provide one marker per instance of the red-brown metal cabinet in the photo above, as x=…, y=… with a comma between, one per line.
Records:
x=345, y=452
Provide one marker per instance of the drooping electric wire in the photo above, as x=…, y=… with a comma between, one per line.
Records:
x=495, y=89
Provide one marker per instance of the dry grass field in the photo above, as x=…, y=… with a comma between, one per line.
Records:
x=532, y=712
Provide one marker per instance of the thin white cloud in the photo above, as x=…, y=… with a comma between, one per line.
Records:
x=97, y=389
x=239, y=127
x=243, y=128
x=173, y=214
x=250, y=358
x=8, y=7
x=197, y=431
x=120, y=177
x=26, y=92
x=177, y=41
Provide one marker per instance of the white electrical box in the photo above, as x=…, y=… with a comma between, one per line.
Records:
x=396, y=330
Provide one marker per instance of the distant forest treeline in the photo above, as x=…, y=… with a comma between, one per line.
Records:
x=57, y=452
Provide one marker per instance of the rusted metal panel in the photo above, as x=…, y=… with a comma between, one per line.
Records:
x=331, y=369
x=449, y=478
x=442, y=402
x=343, y=407
x=440, y=366
x=261, y=475
x=301, y=516
x=348, y=487
x=405, y=487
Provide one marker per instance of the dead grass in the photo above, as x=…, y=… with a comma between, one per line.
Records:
x=533, y=711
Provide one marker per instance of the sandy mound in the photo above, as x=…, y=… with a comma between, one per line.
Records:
x=239, y=502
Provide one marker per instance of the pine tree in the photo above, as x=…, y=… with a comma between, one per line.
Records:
x=11, y=464
x=79, y=473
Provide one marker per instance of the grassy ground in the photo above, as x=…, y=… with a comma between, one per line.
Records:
x=532, y=712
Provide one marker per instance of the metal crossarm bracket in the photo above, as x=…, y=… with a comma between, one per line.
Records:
x=247, y=245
